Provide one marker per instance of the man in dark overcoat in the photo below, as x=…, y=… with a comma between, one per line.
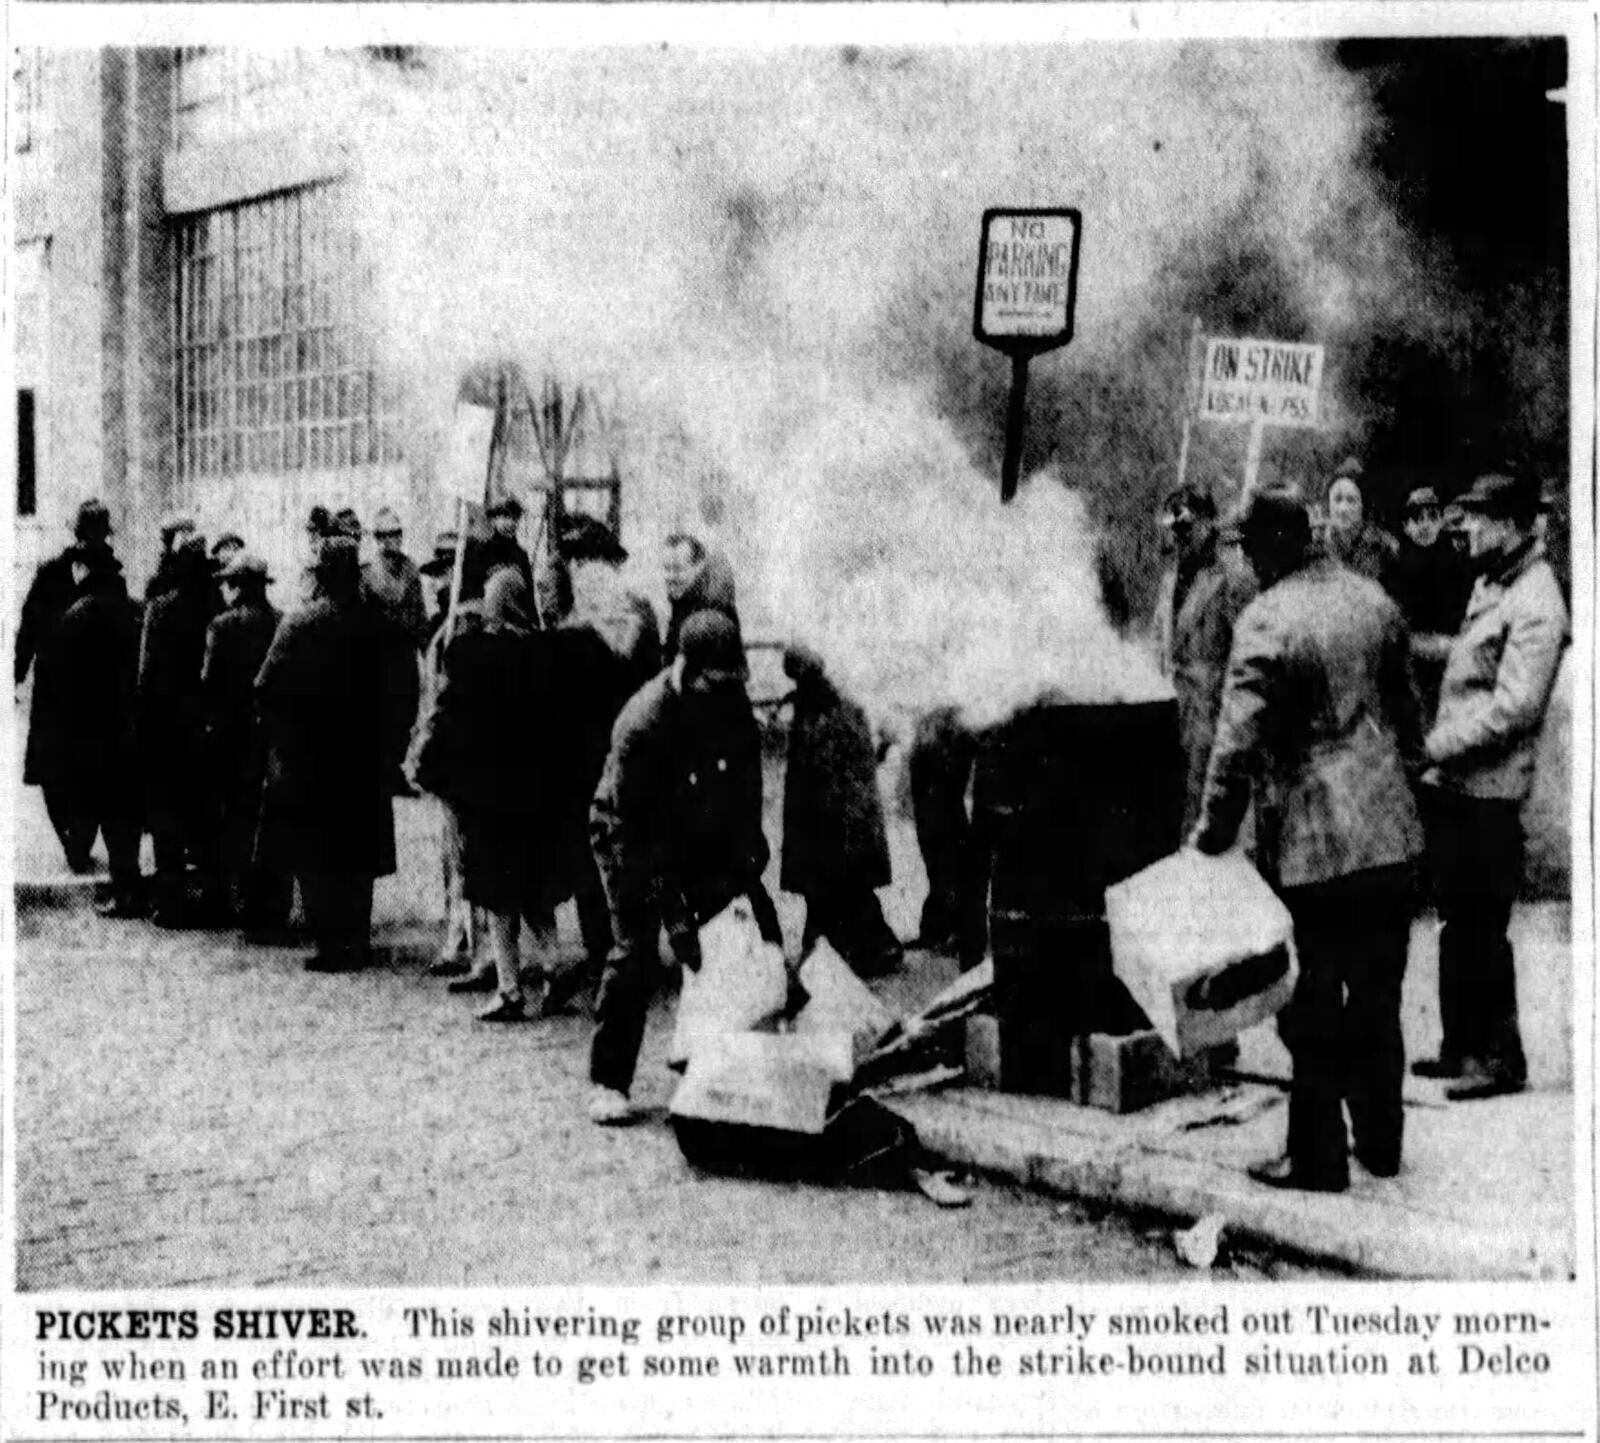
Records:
x=80, y=746
x=336, y=694
x=1319, y=722
x=236, y=644
x=51, y=592
x=676, y=827
x=171, y=728
x=835, y=845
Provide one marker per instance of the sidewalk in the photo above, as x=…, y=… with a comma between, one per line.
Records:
x=1487, y=1190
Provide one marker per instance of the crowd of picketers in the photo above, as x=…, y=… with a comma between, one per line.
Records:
x=1357, y=710
x=576, y=750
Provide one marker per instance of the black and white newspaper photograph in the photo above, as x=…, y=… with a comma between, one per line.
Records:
x=799, y=722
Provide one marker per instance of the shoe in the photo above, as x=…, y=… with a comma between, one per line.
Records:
x=474, y=982
x=568, y=987
x=127, y=908
x=1282, y=1173
x=1478, y=1082
x=1379, y=1164
x=80, y=864
x=1441, y=1066
x=449, y=967
x=940, y=1188
x=608, y=1107
x=505, y=1009
x=335, y=962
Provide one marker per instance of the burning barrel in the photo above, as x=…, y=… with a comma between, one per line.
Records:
x=1069, y=799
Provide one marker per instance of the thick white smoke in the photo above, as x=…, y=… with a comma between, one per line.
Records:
x=765, y=256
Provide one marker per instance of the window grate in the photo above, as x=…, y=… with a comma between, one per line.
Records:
x=274, y=371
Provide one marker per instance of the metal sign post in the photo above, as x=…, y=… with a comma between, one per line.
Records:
x=1027, y=293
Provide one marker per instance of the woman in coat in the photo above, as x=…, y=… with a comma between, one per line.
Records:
x=498, y=753
x=835, y=847
x=336, y=694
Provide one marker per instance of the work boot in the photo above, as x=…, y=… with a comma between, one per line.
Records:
x=608, y=1107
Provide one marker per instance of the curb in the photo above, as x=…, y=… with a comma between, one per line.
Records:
x=1089, y=1162
x=35, y=893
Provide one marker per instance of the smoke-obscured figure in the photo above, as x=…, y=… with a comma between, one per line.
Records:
x=337, y=695
x=51, y=593
x=80, y=741
x=1318, y=706
x=1200, y=598
x=835, y=845
x=943, y=758
x=697, y=579
x=1431, y=581
x=1497, y=683
x=392, y=578
x=607, y=647
x=237, y=642
x=464, y=923
x=676, y=827
x=1353, y=538
x=171, y=732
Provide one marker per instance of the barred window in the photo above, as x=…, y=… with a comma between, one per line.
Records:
x=274, y=370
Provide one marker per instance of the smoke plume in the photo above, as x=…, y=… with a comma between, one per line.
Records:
x=768, y=260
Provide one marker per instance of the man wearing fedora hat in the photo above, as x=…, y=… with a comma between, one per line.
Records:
x=50, y=594
x=1497, y=683
x=237, y=642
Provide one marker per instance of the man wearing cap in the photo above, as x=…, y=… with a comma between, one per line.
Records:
x=676, y=827
x=237, y=642
x=1431, y=581
x=336, y=695
x=51, y=592
x=1318, y=724
x=502, y=547
x=393, y=580
x=1497, y=683
x=1200, y=598
x=171, y=727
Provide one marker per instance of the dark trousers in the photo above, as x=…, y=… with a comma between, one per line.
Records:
x=956, y=858
x=1475, y=855
x=1342, y=1026
x=851, y=918
x=182, y=829
x=632, y=973
x=338, y=907
x=82, y=809
x=623, y=1004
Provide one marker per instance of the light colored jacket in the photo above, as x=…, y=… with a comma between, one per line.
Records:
x=1497, y=681
x=1319, y=708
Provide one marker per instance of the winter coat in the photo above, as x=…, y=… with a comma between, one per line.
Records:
x=676, y=819
x=1318, y=705
x=50, y=593
x=336, y=695
x=393, y=581
x=833, y=830
x=1195, y=642
x=171, y=713
x=711, y=590
x=1498, y=678
x=237, y=642
x=1431, y=585
x=80, y=728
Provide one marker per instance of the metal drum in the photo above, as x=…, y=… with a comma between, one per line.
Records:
x=1069, y=799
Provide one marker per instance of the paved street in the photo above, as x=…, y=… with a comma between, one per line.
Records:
x=194, y=1111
